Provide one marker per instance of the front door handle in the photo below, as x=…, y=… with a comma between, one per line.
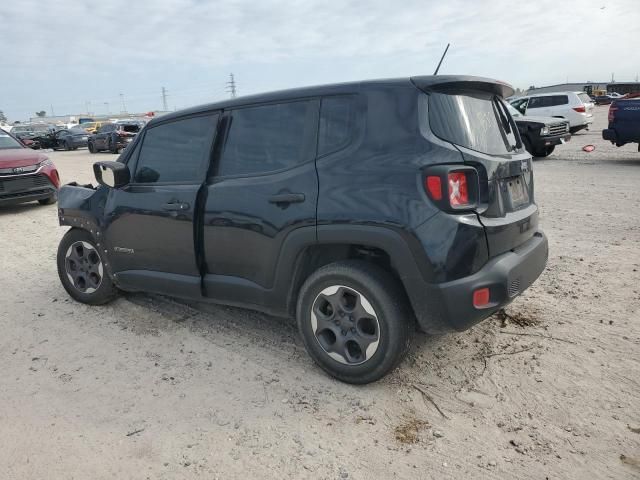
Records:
x=175, y=207
x=287, y=198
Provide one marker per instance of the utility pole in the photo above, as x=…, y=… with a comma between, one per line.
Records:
x=124, y=107
x=231, y=86
x=612, y=78
x=53, y=114
x=164, y=100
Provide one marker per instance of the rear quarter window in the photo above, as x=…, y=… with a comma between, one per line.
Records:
x=558, y=100
x=337, y=122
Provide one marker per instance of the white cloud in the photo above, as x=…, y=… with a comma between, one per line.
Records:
x=92, y=45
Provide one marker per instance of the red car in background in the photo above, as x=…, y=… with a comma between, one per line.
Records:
x=25, y=174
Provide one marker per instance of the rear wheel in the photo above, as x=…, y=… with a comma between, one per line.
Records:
x=354, y=321
x=82, y=269
x=67, y=146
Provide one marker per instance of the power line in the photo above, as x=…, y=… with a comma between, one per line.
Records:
x=231, y=86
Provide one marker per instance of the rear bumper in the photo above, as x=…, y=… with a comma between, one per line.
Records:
x=449, y=306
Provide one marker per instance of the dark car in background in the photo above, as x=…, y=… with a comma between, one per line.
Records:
x=354, y=207
x=30, y=134
x=25, y=175
x=540, y=135
x=114, y=137
x=624, y=122
x=71, y=139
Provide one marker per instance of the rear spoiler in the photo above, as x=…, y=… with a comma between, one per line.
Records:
x=447, y=83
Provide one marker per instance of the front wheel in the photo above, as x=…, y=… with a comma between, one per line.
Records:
x=91, y=147
x=544, y=151
x=354, y=320
x=82, y=269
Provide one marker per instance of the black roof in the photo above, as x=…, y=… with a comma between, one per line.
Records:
x=427, y=82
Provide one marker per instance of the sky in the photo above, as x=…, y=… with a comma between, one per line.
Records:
x=75, y=56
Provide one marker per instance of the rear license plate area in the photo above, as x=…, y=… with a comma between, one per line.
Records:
x=517, y=191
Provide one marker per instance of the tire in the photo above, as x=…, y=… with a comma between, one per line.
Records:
x=67, y=146
x=91, y=147
x=358, y=309
x=544, y=152
x=49, y=201
x=82, y=271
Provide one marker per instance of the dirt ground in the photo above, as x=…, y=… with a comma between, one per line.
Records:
x=148, y=387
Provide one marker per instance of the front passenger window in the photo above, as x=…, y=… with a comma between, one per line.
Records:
x=177, y=151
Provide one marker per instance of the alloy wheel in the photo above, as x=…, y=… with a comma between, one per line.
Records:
x=83, y=267
x=345, y=325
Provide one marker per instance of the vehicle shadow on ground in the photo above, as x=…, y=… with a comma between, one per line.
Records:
x=22, y=207
x=275, y=336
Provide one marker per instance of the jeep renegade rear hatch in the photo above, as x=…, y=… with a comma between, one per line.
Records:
x=470, y=114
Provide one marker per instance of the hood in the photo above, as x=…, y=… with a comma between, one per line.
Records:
x=20, y=157
x=544, y=120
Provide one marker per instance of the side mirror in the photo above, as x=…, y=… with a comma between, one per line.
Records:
x=112, y=174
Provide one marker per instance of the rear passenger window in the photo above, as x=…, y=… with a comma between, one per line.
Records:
x=176, y=151
x=337, y=121
x=559, y=100
x=268, y=138
x=535, y=102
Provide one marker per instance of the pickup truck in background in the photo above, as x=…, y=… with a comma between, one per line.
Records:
x=624, y=122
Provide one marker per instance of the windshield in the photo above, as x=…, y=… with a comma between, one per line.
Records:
x=475, y=120
x=8, y=142
x=513, y=111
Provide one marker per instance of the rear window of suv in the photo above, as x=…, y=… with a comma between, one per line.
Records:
x=474, y=120
x=584, y=98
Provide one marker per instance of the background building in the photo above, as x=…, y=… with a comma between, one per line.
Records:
x=589, y=87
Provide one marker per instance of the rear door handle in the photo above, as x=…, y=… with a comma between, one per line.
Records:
x=175, y=207
x=287, y=198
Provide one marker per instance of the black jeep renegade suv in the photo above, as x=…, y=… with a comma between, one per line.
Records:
x=356, y=208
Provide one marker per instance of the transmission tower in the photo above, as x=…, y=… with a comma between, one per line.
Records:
x=124, y=107
x=231, y=86
x=165, y=108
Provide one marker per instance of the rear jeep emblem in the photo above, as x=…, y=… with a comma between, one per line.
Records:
x=18, y=170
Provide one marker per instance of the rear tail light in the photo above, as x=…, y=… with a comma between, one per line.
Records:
x=580, y=109
x=452, y=188
x=458, y=190
x=434, y=187
x=612, y=112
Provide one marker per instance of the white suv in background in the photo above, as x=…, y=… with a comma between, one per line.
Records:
x=576, y=107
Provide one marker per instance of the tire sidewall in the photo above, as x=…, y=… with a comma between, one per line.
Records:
x=392, y=338
x=105, y=292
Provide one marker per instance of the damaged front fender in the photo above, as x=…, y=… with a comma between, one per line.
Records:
x=82, y=206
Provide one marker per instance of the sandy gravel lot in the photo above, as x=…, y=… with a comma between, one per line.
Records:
x=148, y=387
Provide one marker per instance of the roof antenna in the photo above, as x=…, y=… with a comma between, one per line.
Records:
x=441, y=59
